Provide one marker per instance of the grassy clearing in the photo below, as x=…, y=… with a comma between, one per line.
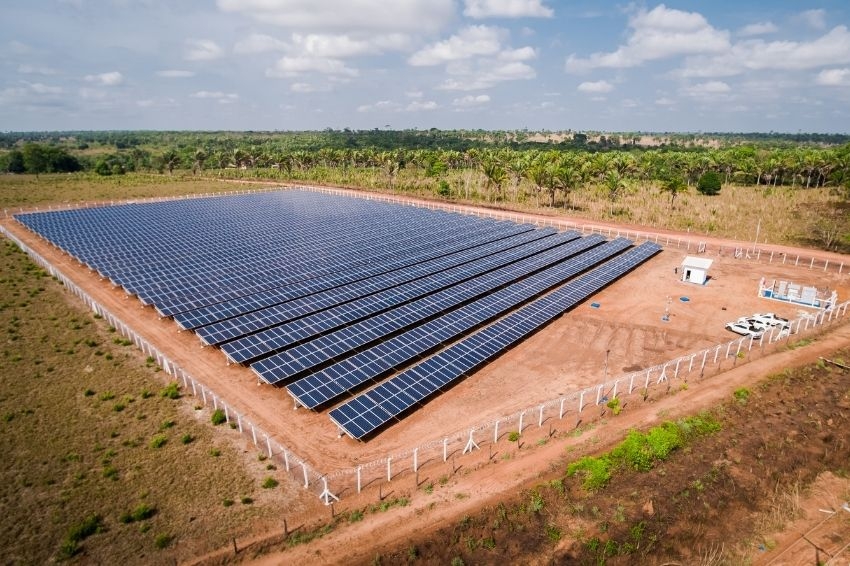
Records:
x=84, y=479
x=26, y=191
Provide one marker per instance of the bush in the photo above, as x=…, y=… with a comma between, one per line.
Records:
x=269, y=483
x=163, y=541
x=742, y=395
x=709, y=183
x=141, y=513
x=513, y=436
x=597, y=471
x=171, y=391
x=159, y=441
x=78, y=533
x=187, y=438
x=218, y=417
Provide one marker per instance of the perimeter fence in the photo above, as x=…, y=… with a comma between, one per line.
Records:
x=535, y=423
x=566, y=413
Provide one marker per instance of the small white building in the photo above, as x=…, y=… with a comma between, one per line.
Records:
x=695, y=269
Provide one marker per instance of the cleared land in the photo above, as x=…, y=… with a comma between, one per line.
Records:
x=629, y=319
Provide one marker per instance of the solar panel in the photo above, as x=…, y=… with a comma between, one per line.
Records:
x=337, y=380
x=293, y=361
x=368, y=412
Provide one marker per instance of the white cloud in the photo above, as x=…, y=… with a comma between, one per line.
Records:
x=414, y=94
x=112, y=78
x=41, y=88
x=470, y=42
x=596, y=87
x=521, y=54
x=759, y=28
x=258, y=43
x=832, y=48
x=202, y=50
x=507, y=9
x=629, y=103
x=815, y=19
x=706, y=90
x=658, y=34
x=420, y=105
x=488, y=74
x=342, y=46
x=305, y=88
x=35, y=70
x=471, y=100
x=834, y=77
x=221, y=97
x=295, y=66
x=349, y=15
x=175, y=74
x=664, y=101
x=381, y=105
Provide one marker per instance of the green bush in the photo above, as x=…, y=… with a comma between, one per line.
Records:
x=709, y=183
x=513, y=436
x=78, y=533
x=596, y=471
x=218, y=417
x=186, y=438
x=171, y=391
x=163, y=541
x=742, y=395
x=141, y=513
x=269, y=483
x=159, y=441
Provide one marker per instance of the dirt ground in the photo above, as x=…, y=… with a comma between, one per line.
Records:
x=568, y=355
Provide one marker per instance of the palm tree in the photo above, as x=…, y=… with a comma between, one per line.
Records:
x=170, y=160
x=616, y=185
x=565, y=176
x=198, y=161
x=494, y=174
x=674, y=185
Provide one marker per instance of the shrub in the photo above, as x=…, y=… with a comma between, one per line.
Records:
x=269, y=483
x=107, y=396
x=246, y=501
x=187, y=438
x=355, y=516
x=227, y=502
x=709, y=183
x=163, y=541
x=614, y=405
x=742, y=395
x=168, y=423
x=88, y=392
x=78, y=533
x=141, y=513
x=218, y=417
x=513, y=436
x=171, y=391
x=596, y=471
x=159, y=441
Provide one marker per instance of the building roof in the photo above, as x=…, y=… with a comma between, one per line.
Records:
x=697, y=262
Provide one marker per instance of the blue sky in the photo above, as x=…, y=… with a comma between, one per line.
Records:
x=770, y=65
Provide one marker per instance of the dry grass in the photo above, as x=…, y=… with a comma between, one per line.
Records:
x=70, y=453
x=734, y=213
x=28, y=191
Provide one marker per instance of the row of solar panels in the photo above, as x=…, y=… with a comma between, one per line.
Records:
x=175, y=282
x=367, y=413
x=336, y=310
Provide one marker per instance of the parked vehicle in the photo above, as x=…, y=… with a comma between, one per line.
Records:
x=743, y=327
x=771, y=319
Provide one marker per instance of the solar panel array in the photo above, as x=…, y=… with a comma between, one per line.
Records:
x=330, y=294
x=370, y=411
